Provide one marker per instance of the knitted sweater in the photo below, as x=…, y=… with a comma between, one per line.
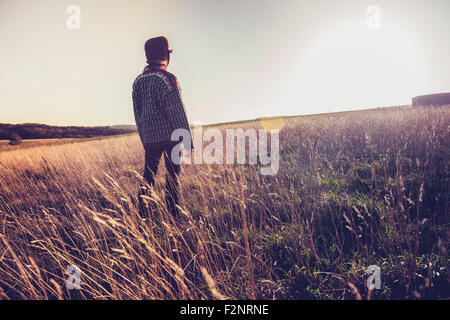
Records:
x=158, y=107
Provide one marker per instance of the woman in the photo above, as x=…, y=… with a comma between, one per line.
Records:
x=158, y=111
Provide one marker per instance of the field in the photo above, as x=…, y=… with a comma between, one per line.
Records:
x=32, y=143
x=353, y=190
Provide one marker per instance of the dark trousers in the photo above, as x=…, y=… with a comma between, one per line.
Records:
x=153, y=153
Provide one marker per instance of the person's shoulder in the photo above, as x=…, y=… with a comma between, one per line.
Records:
x=170, y=77
x=151, y=76
x=158, y=76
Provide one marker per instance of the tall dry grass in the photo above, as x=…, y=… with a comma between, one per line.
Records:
x=353, y=189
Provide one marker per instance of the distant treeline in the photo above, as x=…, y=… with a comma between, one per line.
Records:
x=42, y=131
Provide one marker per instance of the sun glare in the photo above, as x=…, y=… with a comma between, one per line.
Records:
x=351, y=66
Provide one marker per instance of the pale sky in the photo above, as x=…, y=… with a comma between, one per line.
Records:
x=234, y=59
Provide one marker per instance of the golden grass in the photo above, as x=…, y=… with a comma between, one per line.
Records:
x=348, y=183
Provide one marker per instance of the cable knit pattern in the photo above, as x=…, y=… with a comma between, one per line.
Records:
x=158, y=107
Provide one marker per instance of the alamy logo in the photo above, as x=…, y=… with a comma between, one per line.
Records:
x=373, y=21
x=374, y=280
x=73, y=21
x=231, y=149
x=74, y=279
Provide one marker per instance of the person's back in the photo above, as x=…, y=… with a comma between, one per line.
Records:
x=158, y=107
x=158, y=111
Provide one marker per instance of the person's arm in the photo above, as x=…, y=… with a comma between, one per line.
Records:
x=137, y=107
x=175, y=108
x=173, y=104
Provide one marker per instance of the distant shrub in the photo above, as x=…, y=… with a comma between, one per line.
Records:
x=15, y=139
